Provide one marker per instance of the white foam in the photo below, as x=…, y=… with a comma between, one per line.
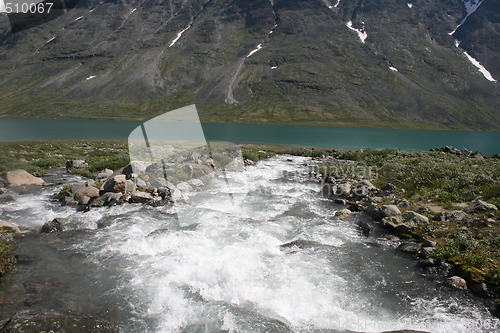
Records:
x=481, y=68
x=179, y=35
x=361, y=32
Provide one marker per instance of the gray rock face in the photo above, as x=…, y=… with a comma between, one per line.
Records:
x=8, y=227
x=21, y=177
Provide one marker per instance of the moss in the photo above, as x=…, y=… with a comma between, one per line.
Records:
x=7, y=259
x=63, y=192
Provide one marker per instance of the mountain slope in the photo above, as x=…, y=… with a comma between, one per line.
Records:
x=361, y=63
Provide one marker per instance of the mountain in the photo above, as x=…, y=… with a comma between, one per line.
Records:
x=363, y=63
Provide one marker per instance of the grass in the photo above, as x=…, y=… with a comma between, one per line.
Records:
x=7, y=259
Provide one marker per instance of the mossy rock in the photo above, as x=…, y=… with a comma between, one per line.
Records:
x=471, y=274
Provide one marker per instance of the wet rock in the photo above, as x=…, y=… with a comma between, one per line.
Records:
x=409, y=247
x=343, y=213
x=116, y=184
x=456, y=282
x=455, y=215
x=342, y=202
x=84, y=201
x=7, y=227
x=107, y=199
x=403, y=203
x=479, y=205
x=77, y=164
x=51, y=227
x=426, y=251
x=69, y=201
x=340, y=189
x=3, y=190
x=195, y=183
x=365, y=228
x=21, y=177
x=54, y=321
x=480, y=289
x=6, y=197
x=302, y=244
x=357, y=207
x=85, y=189
x=141, y=197
x=429, y=262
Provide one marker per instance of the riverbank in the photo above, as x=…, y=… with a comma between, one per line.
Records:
x=436, y=185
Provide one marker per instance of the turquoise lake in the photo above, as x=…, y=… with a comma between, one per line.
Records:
x=12, y=129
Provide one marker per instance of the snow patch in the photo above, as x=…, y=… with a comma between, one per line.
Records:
x=179, y=35
x=481, y=68
x=90, y=11
x=457, y=43
x=361, y=32
x=337, y=4
x=410, y=5
x=90, y=77
x=133, y=10
x=78, y=18
x=394, y=69
x=50, y=40
x=470, y=7
x=254, y=50
x=274, y=67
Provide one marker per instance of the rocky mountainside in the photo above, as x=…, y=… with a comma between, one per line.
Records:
x=390, y=63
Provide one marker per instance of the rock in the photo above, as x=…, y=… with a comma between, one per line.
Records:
x=413, y=218
x=85, y=190
x=343, y=213
x=84, y=201
x=478, y=156
x=428, y=243
x=426, y=251
x=175, y=194
x=116, y=184
x=423, y=210
x=141, y=184
x=379, y=213
x=302, y=244
x=480, y=289
x=403, y=203
x=409, y=247
x=138, y=168
x=77, y=164
x=106, y=173
x=69, y=201
x=429, y=262
x=479, y=205
x=340, y=189
x=342, y=202
x=195, y=183
x=3, y=190
x=107, y=199
x=184, y=187
x=6, y=197
x=7, y=227
x=365, y=228
x=391, y=222
x=388, y=187
x=21, y=177
x=130, y=186
x=199, y=171
x=357, y=207
x=362, y=188
x=51, y=227
x=141, y=197
x=33, y=320
x=455, y=215
x=248, y=162
x=456, y=282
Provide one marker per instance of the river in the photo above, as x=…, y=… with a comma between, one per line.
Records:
x=336, y=137
x=213, y=267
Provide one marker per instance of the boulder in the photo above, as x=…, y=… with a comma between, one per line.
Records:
x=85, y=190
x=141, y=183
x=7, y=227
x=77, y=164
x=340, y=189
x=6, y=197
x=383, y=211
x=362, y=188
x=403, y=203
x=429, y=262
x=365, y=228
x=141, y=197
x=479, y=205
x=52, y=227
x=195, y=183
x=107, y=199
x=413, y=219
x=3, y=190
x=343, y=213
x=409, y=247
x=116, y=184
x=388, y=187
x=184, y=187
x=138, y=168
x=84, y=201
x=456, y=282
x=428, y=243
x=21, y=177
x=453, y=216
x=130, y=186
x=426, y=251
x=104, y=174
x=43, y=320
